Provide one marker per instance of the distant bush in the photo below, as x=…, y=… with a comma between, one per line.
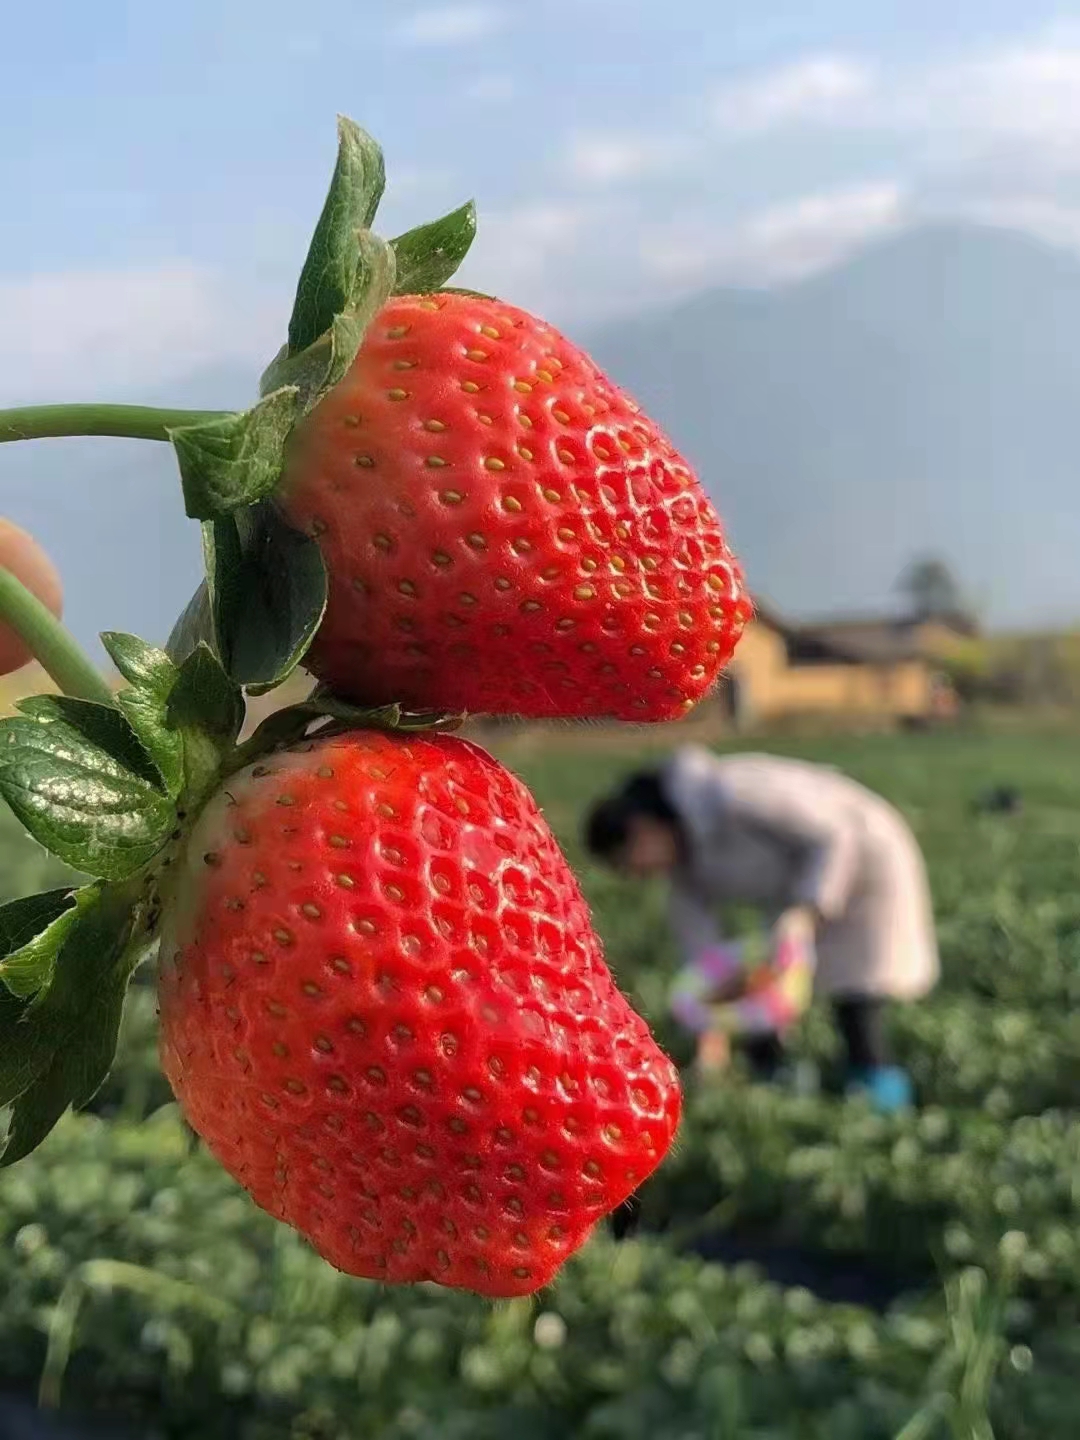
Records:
x=1033, y=670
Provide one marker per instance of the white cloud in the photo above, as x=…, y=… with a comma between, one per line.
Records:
x=782, y=243
x=529, y=254
x=819, y=88
x=1029, y=91
x=523, y=238
x=990, y=134
x=83, y=334
x=491, y=89
x=1046, y=219
x=610, y=159
x=792, y=240
x=451, y=25
x=1026, y=91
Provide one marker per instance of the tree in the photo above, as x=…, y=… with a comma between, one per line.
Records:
x=932, y=590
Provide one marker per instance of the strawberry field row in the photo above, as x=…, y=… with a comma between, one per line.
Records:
x=134, y=1274
x=912, y=1193
x=120, y=1230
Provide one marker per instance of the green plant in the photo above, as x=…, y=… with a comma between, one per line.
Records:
x=611, y=1351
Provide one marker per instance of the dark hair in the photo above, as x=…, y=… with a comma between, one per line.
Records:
x=607, y=825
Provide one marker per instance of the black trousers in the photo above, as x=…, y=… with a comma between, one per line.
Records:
x=860, y=1020
x=763, y=1053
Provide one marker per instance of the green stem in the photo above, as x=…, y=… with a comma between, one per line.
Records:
x=50, y=644
x=138, y=422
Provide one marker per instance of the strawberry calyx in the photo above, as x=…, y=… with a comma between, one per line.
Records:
x=230, y=462
x=323, y=714
x=265, y=588
x=113, y=790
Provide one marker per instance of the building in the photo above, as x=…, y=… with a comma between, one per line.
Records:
x=875, y=669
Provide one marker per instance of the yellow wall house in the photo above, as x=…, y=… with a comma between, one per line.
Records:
x=854, y=669
x=885, y=669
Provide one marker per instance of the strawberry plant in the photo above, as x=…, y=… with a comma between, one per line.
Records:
x=384, y=1006
x=641, y=1338
x=439, y=501
x=130, y=1267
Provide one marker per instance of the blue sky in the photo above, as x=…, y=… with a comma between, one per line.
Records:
x=164, y=165
x=171, y=159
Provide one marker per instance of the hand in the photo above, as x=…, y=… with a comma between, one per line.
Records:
x=798, y=924
x=23, y=557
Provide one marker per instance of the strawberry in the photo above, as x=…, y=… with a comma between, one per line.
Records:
x=385, y=1010
x=504, y=530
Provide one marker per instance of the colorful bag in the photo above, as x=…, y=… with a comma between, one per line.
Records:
x=777, y=988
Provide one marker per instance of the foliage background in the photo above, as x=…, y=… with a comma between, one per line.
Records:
x=136, y=1280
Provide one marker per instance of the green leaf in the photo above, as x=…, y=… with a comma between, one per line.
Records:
x=430, y=254
x=317, y=369
x=292, y=722
x=208, y=710
x=328, y=278
x=462, y=290
x=103, y=726
x=305, y=372
x=77, y=778
x=25, y=1048
x=234, y=460
x=31, y=932
x=373, y=285
x=28, y=1028
x=266, y=585
x=74, y=1075
x=151, y=676
x=204, y=698
x=22, y=920
x=195, y=624
x=322, y=703
x=142, y=665
x=56, y=1050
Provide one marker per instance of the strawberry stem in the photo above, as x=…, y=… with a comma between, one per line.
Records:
x=137, y=422
x=51, y=645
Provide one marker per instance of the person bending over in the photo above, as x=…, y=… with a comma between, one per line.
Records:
x=826, y=860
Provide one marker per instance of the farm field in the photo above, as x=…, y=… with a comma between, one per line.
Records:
x=937, y=1255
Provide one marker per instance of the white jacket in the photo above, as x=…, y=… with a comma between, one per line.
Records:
x=775, y=832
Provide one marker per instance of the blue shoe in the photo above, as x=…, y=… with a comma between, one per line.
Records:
x=888, y=1087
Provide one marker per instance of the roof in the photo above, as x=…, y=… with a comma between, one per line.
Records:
x=766, y=615
x=898, y=621
x=880, y=640
x=866, y=640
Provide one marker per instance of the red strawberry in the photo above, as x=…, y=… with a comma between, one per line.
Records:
x=385, y=1010
x=505, y=531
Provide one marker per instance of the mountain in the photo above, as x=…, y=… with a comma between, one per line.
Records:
x=922, y=397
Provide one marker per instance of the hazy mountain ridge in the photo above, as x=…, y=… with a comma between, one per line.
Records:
x=923, y=396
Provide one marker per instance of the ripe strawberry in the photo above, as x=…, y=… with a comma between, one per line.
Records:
x=504, y=530
x=386, y=1012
